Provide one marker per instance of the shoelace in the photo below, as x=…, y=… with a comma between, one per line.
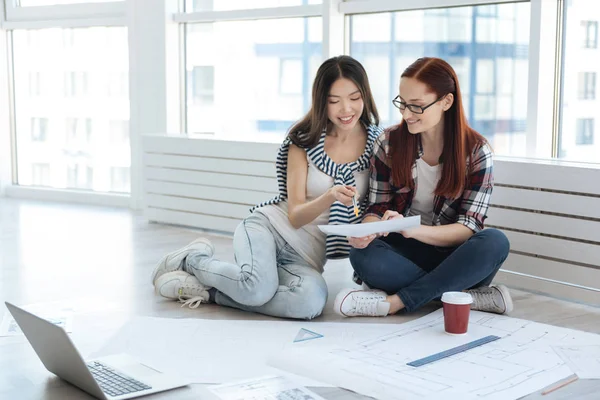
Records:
x=190, y=295
x=484, y=299
x=366, y=305
x=192, y=302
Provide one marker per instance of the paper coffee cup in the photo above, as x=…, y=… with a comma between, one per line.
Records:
x=457, y=307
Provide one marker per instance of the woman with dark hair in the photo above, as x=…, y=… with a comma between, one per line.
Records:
x=432, y=164
x=279, y=250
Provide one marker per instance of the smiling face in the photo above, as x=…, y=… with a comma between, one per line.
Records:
x=413, y=91
x=344, y=105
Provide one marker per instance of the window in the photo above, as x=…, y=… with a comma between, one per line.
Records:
x=224, y=5
x=39, y=129
x=68, y=126
x=486, y=45
x=80, y=177
x=40, y=174
x=119, y=179
x=119, y=132
x=241, y=75
x=590, y=34
x=579, y=103
x=289, y=71
x=78, y=132
x=34, y=84
x=76, y=84
x=587, y=86
x=34, y=3
x=585, y=131
x=203, y=84
x=118, y=84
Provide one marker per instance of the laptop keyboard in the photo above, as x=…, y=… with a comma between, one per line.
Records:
x=112, y=382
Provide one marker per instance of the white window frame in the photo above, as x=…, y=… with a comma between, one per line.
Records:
x=65, y=15
x=157, y=85
x=39, y=17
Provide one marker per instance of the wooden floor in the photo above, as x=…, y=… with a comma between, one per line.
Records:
x=100, y=260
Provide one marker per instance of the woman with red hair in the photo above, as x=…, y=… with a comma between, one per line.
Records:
x=432, y=164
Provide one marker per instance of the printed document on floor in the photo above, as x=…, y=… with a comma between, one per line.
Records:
x=521, y=362
x=583, y=360
x=220, y=351
x=60, y=316
x=265, y=388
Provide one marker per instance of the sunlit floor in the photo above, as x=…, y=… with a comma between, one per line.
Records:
x=100, y=259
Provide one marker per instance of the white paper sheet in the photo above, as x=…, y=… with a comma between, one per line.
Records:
x=61, y=316
x=265, y=388
x=519, y=363
x=213, y=351
x=360, y=230
x=583, y=360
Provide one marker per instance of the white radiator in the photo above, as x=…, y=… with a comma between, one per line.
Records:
x=550, y=212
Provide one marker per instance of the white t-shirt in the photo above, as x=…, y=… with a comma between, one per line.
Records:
x=427, y=179
x=309, y=241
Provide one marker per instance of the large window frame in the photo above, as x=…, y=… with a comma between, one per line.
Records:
x=157, y=50
x=13, y=17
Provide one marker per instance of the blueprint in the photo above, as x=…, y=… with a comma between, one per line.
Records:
x=216, y=351
x=521, y=362
x=583, y=360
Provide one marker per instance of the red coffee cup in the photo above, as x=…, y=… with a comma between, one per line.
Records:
x=457, y=307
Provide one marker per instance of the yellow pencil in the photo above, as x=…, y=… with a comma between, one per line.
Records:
x=355, y=205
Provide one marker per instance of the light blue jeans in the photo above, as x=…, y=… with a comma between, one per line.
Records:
x=269, y=277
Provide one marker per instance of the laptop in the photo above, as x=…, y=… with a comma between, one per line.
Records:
x=113, y=377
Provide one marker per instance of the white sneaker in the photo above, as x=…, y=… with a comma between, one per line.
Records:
x=172, y=261
x=361, y=303
x=183, y=287
x=495, y=299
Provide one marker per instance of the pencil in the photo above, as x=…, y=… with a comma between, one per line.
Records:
x=355, y=205
x=561, y=384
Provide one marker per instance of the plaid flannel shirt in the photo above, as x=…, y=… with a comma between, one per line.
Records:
x=470, y=209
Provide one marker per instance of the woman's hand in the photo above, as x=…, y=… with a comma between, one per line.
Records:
x=361, y=242
x=389, y=214
x=343, y=194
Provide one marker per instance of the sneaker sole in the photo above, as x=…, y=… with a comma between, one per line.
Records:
x=162, y=263
x=506, y=296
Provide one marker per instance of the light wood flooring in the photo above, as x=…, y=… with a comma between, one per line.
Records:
x=100, y=259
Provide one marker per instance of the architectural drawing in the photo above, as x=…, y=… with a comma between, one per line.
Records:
x=519, y=363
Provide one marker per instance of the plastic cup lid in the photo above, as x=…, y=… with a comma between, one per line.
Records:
x=457, y=298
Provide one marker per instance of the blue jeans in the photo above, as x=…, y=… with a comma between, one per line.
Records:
x=418, y=272
x=268, y=277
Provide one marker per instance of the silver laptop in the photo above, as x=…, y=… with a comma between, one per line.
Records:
x=113, y=377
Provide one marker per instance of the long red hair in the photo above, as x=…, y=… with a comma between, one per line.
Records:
x=459, y=138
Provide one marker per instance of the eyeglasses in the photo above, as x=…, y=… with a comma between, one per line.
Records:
x=413, y=108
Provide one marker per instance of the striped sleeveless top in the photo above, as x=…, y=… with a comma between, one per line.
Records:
x=343, y=174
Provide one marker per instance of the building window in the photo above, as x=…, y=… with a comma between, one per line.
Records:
x=118, y=84
x=119, y=179
x=203, y=84
x=78, y=130
x=39, y=129
x=290, y=76
x=76, y=84
x=119, y=132
x=590, y=34
x=585, y=131
x=40, y=174
x=587, y=86
x=80, y=177
x=34, y=84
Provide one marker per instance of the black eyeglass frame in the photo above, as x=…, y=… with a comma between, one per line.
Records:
x=413, y=108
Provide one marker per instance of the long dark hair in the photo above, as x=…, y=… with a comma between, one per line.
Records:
x=459, y=138
x=307, y=132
